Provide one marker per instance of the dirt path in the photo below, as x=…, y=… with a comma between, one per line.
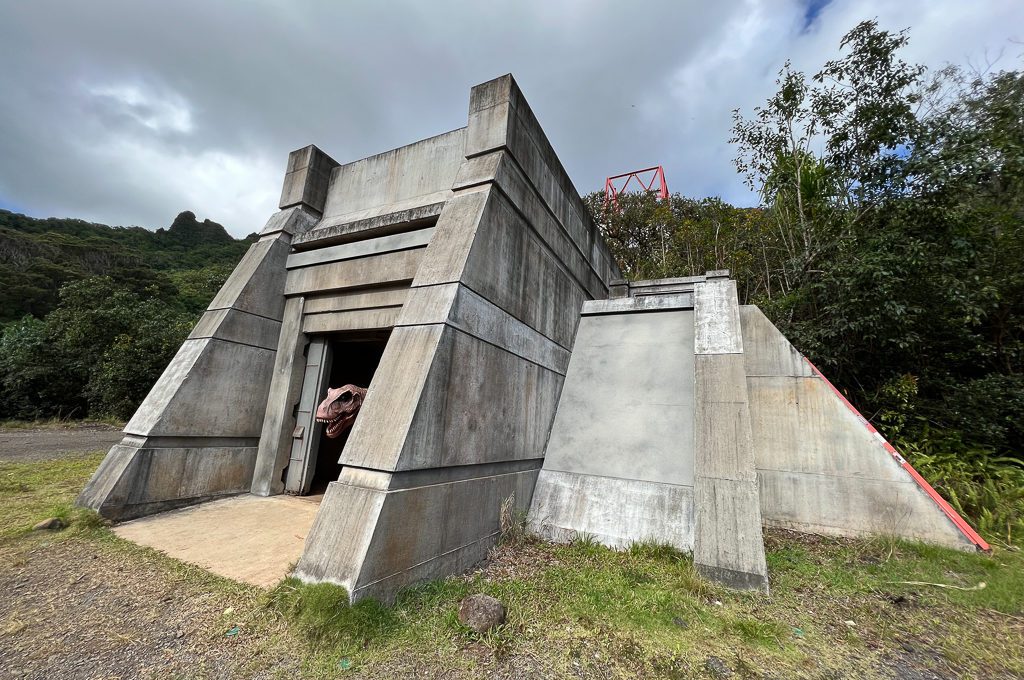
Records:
x=23, y=445
x=73, y=611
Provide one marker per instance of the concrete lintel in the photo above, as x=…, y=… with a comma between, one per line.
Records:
x=330, y=233
x=629, y=305
x=372, y=246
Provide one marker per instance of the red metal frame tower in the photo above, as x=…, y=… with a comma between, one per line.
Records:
x=648, y=179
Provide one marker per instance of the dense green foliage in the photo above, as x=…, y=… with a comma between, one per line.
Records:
x=37, y=257
x=97, y=311
x=889, y=247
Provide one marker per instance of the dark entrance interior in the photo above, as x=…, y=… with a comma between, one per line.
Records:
x=353, y=360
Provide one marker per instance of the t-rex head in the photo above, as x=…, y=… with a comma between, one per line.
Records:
x=339, y=409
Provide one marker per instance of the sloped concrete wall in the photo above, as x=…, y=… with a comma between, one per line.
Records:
x=195, y=435
x=820, y=469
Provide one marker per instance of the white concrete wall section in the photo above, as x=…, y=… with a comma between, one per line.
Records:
x=627, y=406
x=619, y=462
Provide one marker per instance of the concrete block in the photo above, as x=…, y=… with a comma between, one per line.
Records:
x=386, y=268
x=256, y=284
x=718, y=322
x=625, y=305
x=391, y=296
x=292, y=221
x=728, y=542
x=351, y=320
x=307, y=178
x=332, y=232
x=143, y=478
x=239, y=327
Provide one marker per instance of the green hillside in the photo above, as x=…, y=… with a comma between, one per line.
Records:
x=38, y=256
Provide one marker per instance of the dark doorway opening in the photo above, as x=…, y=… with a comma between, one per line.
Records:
x=353, y=360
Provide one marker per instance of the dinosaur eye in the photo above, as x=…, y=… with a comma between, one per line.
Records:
x=346, y=397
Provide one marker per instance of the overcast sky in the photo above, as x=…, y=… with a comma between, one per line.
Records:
x=129, y=112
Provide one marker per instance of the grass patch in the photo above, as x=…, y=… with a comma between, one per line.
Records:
x=837, y=607
x=33, y=491
x=59, y=423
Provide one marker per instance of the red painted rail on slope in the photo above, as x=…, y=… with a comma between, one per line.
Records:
x=952, y=514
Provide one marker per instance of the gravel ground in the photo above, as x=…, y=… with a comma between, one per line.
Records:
x=72, y=611
x=24, y=445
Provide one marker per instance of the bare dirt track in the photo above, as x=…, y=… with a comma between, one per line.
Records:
x=46, y=443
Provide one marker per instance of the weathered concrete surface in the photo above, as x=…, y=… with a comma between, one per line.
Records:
x=245, y=538
x=728, y=543
x=619, y=462
x=306, y=179
x=405, y=178
x=471, y=374
x=820, y=469
x=617, y=512
x=195, y=435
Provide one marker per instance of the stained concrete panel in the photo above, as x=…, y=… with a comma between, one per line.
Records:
x=823, y=471
x=627, y=407
x=385, y=268
x=379, y=433
x=418, y=174
x=372, y=246
x=192, y=397
x=399, y=551
x=512, y=268
x=461, y=308
x=351, y=320
x=357, y=299
x=766, y=350
x=480, y=404
x=615, y=511
x=137, y=479
x=238, y=327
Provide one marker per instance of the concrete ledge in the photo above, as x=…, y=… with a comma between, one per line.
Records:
x=363, y=248
x=651, y=303
x=410, y=219
x=616, y=512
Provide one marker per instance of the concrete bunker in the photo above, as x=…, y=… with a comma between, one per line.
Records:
x=470, y=270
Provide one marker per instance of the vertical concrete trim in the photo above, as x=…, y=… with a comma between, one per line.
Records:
x=285, y=383
x=728, y=540
x=718, y=318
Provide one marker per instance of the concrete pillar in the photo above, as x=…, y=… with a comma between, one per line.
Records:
x=728, y=542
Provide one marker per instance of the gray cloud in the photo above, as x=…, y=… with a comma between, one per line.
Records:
x=129, y=112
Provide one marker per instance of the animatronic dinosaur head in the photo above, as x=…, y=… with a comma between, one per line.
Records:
x=339, y=409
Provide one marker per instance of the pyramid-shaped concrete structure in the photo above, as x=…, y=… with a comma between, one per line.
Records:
x=462, y=281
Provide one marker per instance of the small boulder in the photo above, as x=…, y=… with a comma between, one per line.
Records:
x=481, y=612
x=717, y=667
x=52, y=524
